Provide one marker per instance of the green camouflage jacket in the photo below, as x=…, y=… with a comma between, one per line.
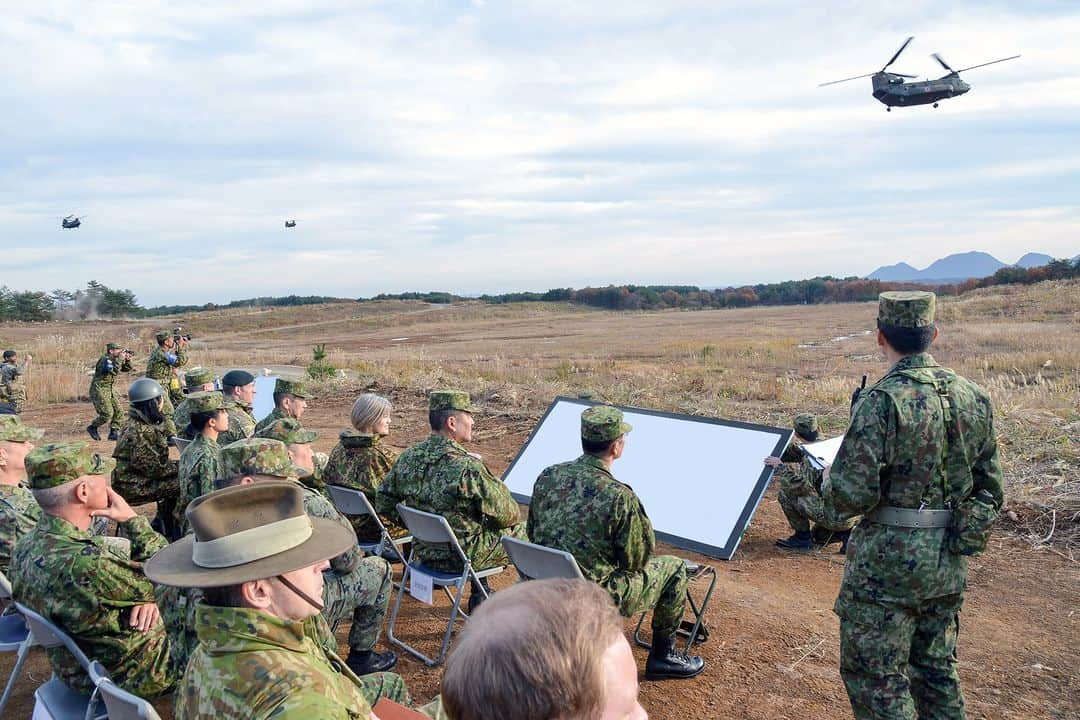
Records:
x=11, y=384
x=108, y=368
x=19, y=513
x=142, y=454
x=580, y=507
x=159, y=368
x=316, y=505
x=895, y=454
x=77, y=581
x=438, y=475
x=361, y=462
x=269, y=420
x=241, y=423
x=200, y=465
x=250, y=665
x=182, y=419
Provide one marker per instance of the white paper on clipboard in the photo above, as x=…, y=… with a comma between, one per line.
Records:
x=822, y=453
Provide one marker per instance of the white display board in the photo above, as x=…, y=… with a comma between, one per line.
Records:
x=822, y=453
x=264, y=396
x=700, y=479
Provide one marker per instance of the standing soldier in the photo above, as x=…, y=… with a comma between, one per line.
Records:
x=12, y=388
x=920, y=463
x=115, y=361
x=197, y=379
x=290, y=401
x=163, y=364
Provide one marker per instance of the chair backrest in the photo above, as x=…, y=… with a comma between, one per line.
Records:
x=536, y=562
x=120, y=704
x=350, y=501
x=181, y=443
x=49, y=635
x=429, y=528
x=5, y=587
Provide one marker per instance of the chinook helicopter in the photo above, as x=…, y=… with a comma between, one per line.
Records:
x=890, y=88
x=70, y=222
x=290, y=223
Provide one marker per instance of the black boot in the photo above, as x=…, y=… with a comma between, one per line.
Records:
x=476, y=596
x=667, y=663
x=92, y=432
x=843, y=537
x=801, y=540
x=113, y=435
x=365, y=662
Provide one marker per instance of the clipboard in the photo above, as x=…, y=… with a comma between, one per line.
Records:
x=822, y=453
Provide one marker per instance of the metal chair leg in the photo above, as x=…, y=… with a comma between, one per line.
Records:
x=20, y=658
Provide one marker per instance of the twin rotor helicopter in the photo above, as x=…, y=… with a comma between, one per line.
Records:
x=890, y=88
x=73, y=221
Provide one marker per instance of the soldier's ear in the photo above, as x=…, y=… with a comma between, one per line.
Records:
x=936, y=331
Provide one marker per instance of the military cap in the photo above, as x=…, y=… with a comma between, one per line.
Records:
x=806, y=426
x=162, y=335
x=237, y=378
x=57, y=463
x=259, y=456
x=197, y=376
x=298, y=388
x=113, y=346
x=906, y=308
x=288, y=431
x=603, y=423
x=207, y=401
x=449, y=400
x=13, y=430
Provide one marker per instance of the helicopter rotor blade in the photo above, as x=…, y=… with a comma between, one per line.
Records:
x=833, y=82
x=987, y=63
x=902, y=48
x=942, y=62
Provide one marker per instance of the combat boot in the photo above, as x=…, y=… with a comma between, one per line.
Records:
x=801, y=540
x=667, y=663
x=92, y=432
x=843, y=537
x=476, y=597
x=365, y=662
x=113, y=435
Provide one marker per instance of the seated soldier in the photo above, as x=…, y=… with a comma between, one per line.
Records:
x=800, y=495
x=19, y=511
x=238, y=386
x=361, y=460
x=260, y=561
x=579, y=507
x=354, y=585
x=543, y=649
x=99, y=597
x=438, y=475
x=196, y=380
x=200, y=463
x=292, y=433
x=290, y=401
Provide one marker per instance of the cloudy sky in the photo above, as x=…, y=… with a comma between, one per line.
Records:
x=497, y=146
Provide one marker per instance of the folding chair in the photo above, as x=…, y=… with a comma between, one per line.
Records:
x=14, y=637
x=180, y=443
x=350, y=501
x=434, y=529
x=536, y=562
x=54, y=697
x=120, y=704
x=693, y=631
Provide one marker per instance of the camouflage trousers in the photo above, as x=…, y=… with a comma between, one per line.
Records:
x=107, y=405
x=375, y=686
x=16, y=398
x=177, y=606
x=660, y=585
x=802, y=505
x=484, y=550
x=899, y=662
x=364, y=594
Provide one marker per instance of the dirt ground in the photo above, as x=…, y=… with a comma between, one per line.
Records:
x=773, y=651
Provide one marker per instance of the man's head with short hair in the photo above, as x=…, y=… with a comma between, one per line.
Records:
x=257, y=458
x=239, y=385
x=906, y=320
x=290, y=397
x=602, y=430
x=16, y=442
x=199, y=379
x=543, y=650
x=297, y=440
x=9, y=355
x=450, y=414
x=65, y=474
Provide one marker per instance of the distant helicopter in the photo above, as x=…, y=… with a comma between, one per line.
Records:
x=890, y=88
x=70, y=222
x=290, y=223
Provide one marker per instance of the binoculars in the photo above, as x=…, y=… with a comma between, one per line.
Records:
x=178, y=334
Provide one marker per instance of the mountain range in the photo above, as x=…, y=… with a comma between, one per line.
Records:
x=956, y=268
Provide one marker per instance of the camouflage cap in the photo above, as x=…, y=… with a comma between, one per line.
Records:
x=259, y=456
x=13, y=430
x=603, y=423
x=806, y=425
x=57, y=463
x=206, y=401
x=906, y=308
x=162, y=335
x=197, y=376
x=288, y=431
x=450, y=400
x=297, y=388
x=113, y=346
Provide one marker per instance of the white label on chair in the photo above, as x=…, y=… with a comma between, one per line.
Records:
x=420, y=586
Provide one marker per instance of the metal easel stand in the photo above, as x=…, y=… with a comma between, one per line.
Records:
x=695, y=631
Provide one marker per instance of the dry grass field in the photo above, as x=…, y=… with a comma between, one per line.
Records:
x=774, y=649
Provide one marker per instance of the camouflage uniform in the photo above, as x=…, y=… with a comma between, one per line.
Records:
x=102, y=393
x=921, y=438
x=800, y=496
x=12, y=387
x=79, y=582
x=438, y=475
x=194, y=379
x=200, y=465
x=161, y=366
x=241, y=423
x=19, y=513
x=296, y=388
x=361, y=462
x=144, y=473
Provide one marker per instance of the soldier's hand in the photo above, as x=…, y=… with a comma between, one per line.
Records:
x=117, y=510
x=183, y=342
x=773, y=461
x=144, y=617
x=825, y=474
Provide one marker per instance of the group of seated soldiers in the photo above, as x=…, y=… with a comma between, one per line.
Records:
x=236, y=616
